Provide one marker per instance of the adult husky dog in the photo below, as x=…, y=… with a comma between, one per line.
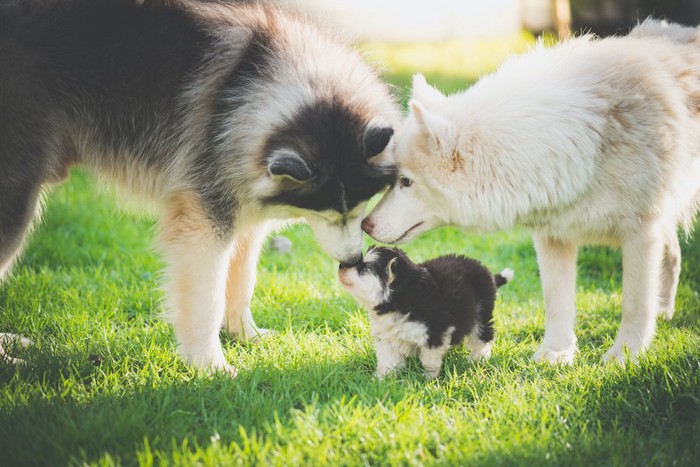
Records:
x=589, y=142
x=225, y=117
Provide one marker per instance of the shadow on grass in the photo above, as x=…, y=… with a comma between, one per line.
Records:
x=649, y=410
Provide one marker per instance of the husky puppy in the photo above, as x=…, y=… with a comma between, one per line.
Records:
x=425, y=308
x=593, y=141
x=227, y=118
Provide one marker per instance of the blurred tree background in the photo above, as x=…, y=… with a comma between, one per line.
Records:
x=606, y=17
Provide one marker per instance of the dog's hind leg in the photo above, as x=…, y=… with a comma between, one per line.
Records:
x=197, y=262
x=642, y=255
x=669, y=275
x=241, y=284
x=557, y=263
x=18, y=204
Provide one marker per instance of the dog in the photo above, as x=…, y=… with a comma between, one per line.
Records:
x=229, y=119
x=592, y=141
x=425, y=308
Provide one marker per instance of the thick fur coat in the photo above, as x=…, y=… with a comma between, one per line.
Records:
x=592, y=141
x=226, y=118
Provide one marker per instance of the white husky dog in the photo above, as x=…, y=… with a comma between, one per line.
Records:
x=594, y=141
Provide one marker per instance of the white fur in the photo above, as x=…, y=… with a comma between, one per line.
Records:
x=508, y=274
x=589, y=142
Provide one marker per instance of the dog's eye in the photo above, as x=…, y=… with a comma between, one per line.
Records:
x=405, y=182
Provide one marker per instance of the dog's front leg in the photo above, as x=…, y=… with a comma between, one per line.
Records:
x=197, y=261
x=670, y=274
x=241, y=284
x=642, y=256
x=557, y=262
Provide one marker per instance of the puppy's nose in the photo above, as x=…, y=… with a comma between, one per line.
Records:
x=367, y=225
x=350, y=264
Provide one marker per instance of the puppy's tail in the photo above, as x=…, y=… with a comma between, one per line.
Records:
x=503, y=277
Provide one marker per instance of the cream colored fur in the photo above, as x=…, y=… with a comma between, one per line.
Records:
x=593, y=141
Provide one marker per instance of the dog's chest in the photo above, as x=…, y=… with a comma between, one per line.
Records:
x=397, y=328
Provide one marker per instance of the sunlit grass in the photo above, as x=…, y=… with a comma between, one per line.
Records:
x=104, y=384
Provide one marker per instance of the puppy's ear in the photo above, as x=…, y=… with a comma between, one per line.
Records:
x=288, y=163
x=425, y=93
x=376, y=139
x=392, y=269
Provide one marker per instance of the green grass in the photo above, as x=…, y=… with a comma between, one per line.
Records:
x=87, y=287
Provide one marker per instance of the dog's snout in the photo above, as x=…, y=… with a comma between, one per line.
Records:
x=367, y=225
x=350, y=264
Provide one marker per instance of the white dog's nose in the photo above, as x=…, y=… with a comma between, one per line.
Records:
x=367, y=226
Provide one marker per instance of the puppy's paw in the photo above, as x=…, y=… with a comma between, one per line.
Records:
x=481, y=352
x=432, y=373
x=555, y=356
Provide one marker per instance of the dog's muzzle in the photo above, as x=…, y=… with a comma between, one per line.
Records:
x=351, y=264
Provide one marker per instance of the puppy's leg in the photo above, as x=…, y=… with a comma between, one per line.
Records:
x=18, y=205
x=557, y=263
x=642, y=255
x=388, y=357
x=431, y=359
x=197, y=262
x=479, y=349
x=671, y=270
x=478, y=342
x=241, y=283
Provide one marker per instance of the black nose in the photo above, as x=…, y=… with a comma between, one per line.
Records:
x=350, y=264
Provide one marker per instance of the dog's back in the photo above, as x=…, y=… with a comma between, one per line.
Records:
x=468, y=293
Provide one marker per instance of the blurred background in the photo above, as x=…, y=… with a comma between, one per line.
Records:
x=454, y=42
x=410, y=20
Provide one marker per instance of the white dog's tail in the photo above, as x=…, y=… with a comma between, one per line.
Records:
x=660, y=28
x=503, y=277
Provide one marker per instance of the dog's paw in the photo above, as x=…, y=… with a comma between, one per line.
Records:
x=481, y=353
x=255, y=336
x=555, y=356
x=7, y=341
x=667, y=313
x=228, y=370
x=628, y=346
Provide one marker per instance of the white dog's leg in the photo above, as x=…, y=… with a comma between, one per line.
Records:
x=557, y=263
x=197, y=262
x=641, y=262
x=241, y=284
x=669, y=275
x=388, y=357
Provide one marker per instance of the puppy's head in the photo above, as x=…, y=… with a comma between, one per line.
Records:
x=374, y=279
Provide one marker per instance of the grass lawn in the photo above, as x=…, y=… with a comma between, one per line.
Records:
x=105, y=386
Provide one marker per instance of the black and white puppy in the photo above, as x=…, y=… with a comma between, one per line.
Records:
x=424, y=309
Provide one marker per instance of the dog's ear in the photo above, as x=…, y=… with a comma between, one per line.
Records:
x=441, y=132
x=425, y=93
x=376, y=139
x=439, y=128
x=288, y=163
x=391, y=269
